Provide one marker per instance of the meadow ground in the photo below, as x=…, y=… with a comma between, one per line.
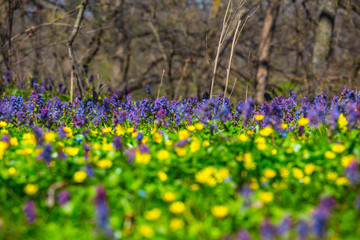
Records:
x=195, y=169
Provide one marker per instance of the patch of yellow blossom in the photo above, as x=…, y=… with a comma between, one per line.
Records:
x=80, y=176
x=177, y=207
x=220, y=211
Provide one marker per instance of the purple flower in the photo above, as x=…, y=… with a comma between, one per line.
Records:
x=130, y=154
x=328, y=203
x=102, y=210
x=117, y=143
x=29, y=211
x=302, y=229
x=357, y=202
x=63, y=197
x=243, y=234
x=284, y=226
x=352, y=172
x=39, y=135
x=267, y=230
x=320, y=218
x=46, y=154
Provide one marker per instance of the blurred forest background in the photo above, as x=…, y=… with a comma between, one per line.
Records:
x=311, y=46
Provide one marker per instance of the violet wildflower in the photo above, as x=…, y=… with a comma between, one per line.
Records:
x=243, y=234
x=352, y=172
x=102, y=210
x=357, y=202
x=284, y=226
x=320, y=218
x=302, y=229
x=267, y=230
x=29, y=211
x=117, y=143
x=63, y=197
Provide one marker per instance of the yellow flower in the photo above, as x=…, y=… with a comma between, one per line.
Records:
x=331, y=176
x=169, y=197
x=176, y=224
x=259, y=117
x=199, y=126
x=67, y=129
x=162, y=176
x=194, y=187
x=222, y=174
x=341, y=181
x=270, y=173
x=309, y=168
x=194, y=146
x=153, y=214
x=346, y=160
x=180, y=151
x=303, y=122
x=146, y=231
x=274, y=152
x=157, y=137
x=338, y=148
x=211, y=181
x=163, y=155
x=72, y=151
x=191, y=128
x=183, y=134
x=134, y=134
x=25, y=151
x=220, y=211
x=105, y=163
x=342, y=121
x=31, y=189
x=80, y=176
x=307, y=179
x=119, y=130
x=243, y=138
x=261, y=146
x=107, y=130
x=14, y=141
x=96, y=146
x=206, y=143
x=108, y=147
x=11, y=171
x=49, y=136
x=249, y=164
x=177, y=207
x=266, y=131
x=298, y=173
x=283, y=126
x=29, y=138
x=142, y=158
x=254, y=185
x=94, y=133
x=330, y=155
x=130, y=130
x=266, y=197
x=3, y=124
x=145, y=140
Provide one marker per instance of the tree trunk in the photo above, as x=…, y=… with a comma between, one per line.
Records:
x=121, y=39
x=323, y=38
x=265, y=48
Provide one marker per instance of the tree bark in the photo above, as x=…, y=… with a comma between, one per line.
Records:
x=75, y=68
x=323, y=38
x=265, y=49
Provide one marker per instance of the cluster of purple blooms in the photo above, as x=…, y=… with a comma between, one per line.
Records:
x=34, y=110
